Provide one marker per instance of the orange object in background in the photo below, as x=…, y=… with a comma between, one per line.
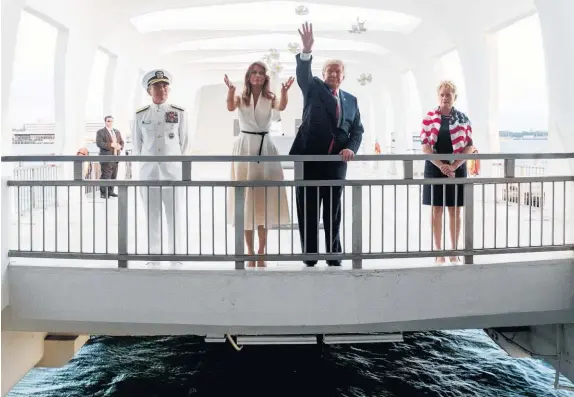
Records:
x=377, y=148
x=473, y=165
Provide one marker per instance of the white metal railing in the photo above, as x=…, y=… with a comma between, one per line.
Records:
x=36, y=197
x=380, y=218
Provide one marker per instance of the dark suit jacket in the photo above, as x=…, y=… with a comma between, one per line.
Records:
x=319, y=123
x=104, y=141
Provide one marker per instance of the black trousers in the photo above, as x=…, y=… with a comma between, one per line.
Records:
x=309, y=201
x=109, y=171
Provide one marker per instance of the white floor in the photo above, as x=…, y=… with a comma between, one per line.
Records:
x=88, y=224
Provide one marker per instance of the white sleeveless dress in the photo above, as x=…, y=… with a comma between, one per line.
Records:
x=266, y=207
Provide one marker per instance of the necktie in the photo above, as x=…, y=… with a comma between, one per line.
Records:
x=337, y=111
x=337, y=115
x=113, y=136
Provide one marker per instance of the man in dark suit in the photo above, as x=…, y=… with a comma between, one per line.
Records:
x=110, y=142
x=331, y=124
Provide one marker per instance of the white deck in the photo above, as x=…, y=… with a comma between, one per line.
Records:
x=50, y=227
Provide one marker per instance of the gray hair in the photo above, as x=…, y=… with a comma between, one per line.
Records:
x=330, y=62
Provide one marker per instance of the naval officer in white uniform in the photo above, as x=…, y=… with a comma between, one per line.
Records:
x=161, y=129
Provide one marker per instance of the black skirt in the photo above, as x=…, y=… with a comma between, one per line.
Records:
x=435, y=194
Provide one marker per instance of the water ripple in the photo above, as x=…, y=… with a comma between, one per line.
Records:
x=434, y=364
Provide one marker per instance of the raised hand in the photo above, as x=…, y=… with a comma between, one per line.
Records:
x=229, y=84
x=306, y=34
x=286, y=85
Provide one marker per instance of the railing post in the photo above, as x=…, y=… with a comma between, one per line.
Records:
x=469, y=222
x=298, y=171
x=122, y=226
x=7, y=211
x=408, y=169
x=357, y=228
x=509, y=168
x=239, y=225
x=78, y=170
x=186, y=171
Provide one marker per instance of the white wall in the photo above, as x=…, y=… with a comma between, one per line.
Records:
x=214, y=123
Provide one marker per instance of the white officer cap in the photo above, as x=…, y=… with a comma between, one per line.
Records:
x=156, y=76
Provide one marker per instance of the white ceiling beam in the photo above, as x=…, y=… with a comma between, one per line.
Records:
x=132, y=8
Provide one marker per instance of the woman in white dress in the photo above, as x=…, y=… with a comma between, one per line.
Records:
x=265, y=207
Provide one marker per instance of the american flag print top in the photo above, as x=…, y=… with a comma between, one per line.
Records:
x=459, y=126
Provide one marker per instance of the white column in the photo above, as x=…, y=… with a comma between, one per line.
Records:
x=558, y=41
x=398, y=101
x=74, y=63
x=478, y=57
x=11, y=15
x=427, y=80
x=192, y=106
x=364, y=96
x=380, y=105
x=123, y=94
x=110, y=84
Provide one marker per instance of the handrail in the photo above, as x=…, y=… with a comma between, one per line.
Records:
x=269, y=183
x=295, y=158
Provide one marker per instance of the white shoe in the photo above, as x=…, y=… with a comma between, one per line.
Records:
x=176, y=264
x=152, y=264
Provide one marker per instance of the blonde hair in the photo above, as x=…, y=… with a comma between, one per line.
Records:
x=330, y=62
x=266, y=93
x=448, y=84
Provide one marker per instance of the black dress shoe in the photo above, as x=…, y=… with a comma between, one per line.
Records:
x=112, y=194
x=333, y=263
x=310, y=263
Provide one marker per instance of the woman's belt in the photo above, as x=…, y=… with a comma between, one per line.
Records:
x=263, y=133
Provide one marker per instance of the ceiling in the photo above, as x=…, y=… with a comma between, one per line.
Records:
x=215, y=36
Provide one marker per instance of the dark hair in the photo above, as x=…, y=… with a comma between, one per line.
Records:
x=108, y=117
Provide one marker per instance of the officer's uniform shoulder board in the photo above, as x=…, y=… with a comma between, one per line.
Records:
x=177, y=107
x=142, y=109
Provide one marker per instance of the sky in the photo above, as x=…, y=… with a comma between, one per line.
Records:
x=521, y=94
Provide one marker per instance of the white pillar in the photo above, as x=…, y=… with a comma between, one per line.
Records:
x=380, y=104
x=398, y=101
x=192, y=106
x=364, y=96
x=478, y=58
x=123, y=94
x=11, y=16
x=427, y=80
x=72, y=86
x=109, y=84
x=558, y=41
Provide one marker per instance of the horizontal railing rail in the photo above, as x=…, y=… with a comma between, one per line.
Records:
x=295, y=158
x=382, y=219
x=270, y=183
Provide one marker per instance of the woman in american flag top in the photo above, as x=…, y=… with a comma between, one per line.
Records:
x=445, y=130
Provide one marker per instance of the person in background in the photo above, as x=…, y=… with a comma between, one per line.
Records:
x=264, y=207
x=111, y=143
x=86, y=165
x=445, y=130
x=377, y=147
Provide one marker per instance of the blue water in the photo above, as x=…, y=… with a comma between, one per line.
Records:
x=453, y=363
